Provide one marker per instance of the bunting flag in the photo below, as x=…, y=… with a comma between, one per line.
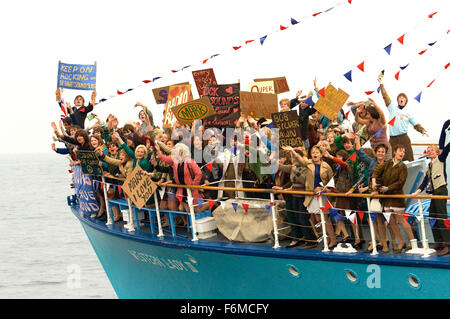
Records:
x=102, y=100
x=329, y=9
x=361, y=214
x=391, y=122
x=249, y=41
x=204, y=61
x=406, y=216
x=418, y=97
x=447, y=223
x=180, y=198
x=404, y=67
x=369, y=92
x=361, y=66
x=309, y=101
x=334, y=211
x=377, y=134
x=322, y=92
x=430, y=83
x=101, y=186
x=190, y=201
x=387, y=216
x=431, y=15
x=422, y=52
x=379, y=89
x=120, y=189
x=338, y=218
x=432, y=221
x=346, y=114
x=268, y=208
x=235, y=205
x=200, y=202
x=154, y=79
x=283, y=28
x=348, y=75
x=245, y=207
x=327, y=206
x=446, y=66
x=401, y=39
x=388, y=49
x=171, y=195
x=316, y=14
x=431, y=44
x=209, y=166
x=211, y=204
x=353, y=157
x=70, y=171
x=293, y=21
x=146, y=81
x=348, y=212
x=373, y=216
x=397, y=75
x=222, y=203
x=262, y=39
x=119, y=92
x=214, y=55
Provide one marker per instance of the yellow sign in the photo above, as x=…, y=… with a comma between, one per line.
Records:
x=331, y=104
x=194, y=110
x=139, y=187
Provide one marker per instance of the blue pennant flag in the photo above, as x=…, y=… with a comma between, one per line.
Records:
x=348, y=75
x=404, y=67
x=200, y=202
x=171, y=195
x=373, y=216
x=268, y=207
x=235, y=205
x=379, y=89
x=418, y=97
x=388, y=49
x=234, y=150
x=338, y=218
x=432, y=222
x=377, y=134
x=270, y=125
x=329, y=9
x=338, y=167
x=431, y=44
x=102, y=100
x=309, y=101
x=154, y=79
x=214, y=55
x=293, y=21
x=185, y=67
x=262, y=39
x=129, y=90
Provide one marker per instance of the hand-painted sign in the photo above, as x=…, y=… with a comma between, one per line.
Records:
x=139, y=187
x=203, y=77
x=194, y=110
x=262, y=87
x=89, y=163
x=332, y=102
x=178, y=94
x=85, y=191
x=225, y=99
x=77, y=76
x=161, y=94
x=289, y=128
x=280, y=83
x=258, y=104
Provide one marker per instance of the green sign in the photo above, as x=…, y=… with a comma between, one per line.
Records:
x=89, y=163
x=194, y=110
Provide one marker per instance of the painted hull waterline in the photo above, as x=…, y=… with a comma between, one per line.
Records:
x=141, y=265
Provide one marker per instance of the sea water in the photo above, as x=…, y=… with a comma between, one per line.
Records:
x=44, y=252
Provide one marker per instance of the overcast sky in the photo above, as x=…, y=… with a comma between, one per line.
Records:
x=139, y=40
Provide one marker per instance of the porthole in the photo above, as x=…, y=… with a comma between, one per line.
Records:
x=293, y=271
x=351, y=276
x=414, y=281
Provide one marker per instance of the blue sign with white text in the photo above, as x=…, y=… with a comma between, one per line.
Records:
x=84, y=187
x=77, y=76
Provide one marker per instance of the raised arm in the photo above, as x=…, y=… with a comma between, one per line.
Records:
x=380, y=111
x=386, y=98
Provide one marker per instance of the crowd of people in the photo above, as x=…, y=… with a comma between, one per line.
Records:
x=358, y=157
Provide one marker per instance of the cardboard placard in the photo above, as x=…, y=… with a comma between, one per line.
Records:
x=280, y=83
x=258, y=104
x=89, y=163
x=262, y=87
x=161, y=94
x=289, y=128
x=194, y=110
x=225, y=100
x=202, y=78
x=178, y=94
x=139, y=187
x=77, y=76
x=331, y=104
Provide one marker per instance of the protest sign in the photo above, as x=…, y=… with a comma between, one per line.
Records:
x=161, y=94
x=139, y=187
x=77, y=76
x=262, y=87
x=258, y=104
x=194, y=110
x=178, y=94
x=289, y=128
x=89, y=163
x=280, y=83
x=330, y=104
x=84, y=188
x=225, y=100
x=203, y=77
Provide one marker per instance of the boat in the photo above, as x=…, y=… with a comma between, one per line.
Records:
x=144, y=260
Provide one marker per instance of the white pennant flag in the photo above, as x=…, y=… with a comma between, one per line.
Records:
x=331, y=183
x=366, y=145
x=222, y=203
x=162, y=191
x=348, y=212
x=190, y=201
x=419, y=218
x=387, y=216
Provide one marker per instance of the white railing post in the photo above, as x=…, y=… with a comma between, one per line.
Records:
x=105, y=193
x=158, y=216
x=130, y=224
x=191, y=209
x=426, y=248
x=324, y=232
x=274, y=220
x=372, y=230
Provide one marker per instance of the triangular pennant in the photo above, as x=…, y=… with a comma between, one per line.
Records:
x=354, y=218
x=338, y=218
x=222, y=203
x=348, y=212
x=397, y=75
x=361, y=215
x=432, y=14
x=432, y=222
x=361, y=66
x=174, y=71
x=387, y=216
x=146, y=81
x=348, y=75
x=171, y=195
x=161, y=193
x=214, y=55
x=404, y=67
x=205, y=60
x=322, y=92
x=422, y=52
x=329, y=9
x=200, y=202
x=431, y=44
x=388, y=49
x=268, y=208
x=446, y=66
x=129, y=90
x=293, y=21
x=379, y=89
x=369, y=92
x=447, y=223
x=245, y=207
x=309, y=101
x=190, y=201
x=353, y=157
x=119, y=189
x=211, y=204
x=373, y=216
x=235, y=205
x=180, y=198
x=262, y=39
x=70, y=171
x=406, y=216
x=391, y=122
x=346, y=114
x=249, y=41
x=185, y=67
x=401, y=39
x=283, y=28
x=431, y=83
x=154, y=79
x=377, y=134
x=338, y=167
x=102, y=100
x=327, y=206
x=119, y=92
x=237, y=48
x=209, y=166
x=316, y=14
x=331, y=183
x=418, y=97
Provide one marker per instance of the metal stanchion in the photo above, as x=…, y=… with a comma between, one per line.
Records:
x=158, y=216
x=108, y=212
x=274, y=219
x=372, y=231
x=191, y=209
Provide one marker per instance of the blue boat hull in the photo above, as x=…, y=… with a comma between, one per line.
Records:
x=145, y=266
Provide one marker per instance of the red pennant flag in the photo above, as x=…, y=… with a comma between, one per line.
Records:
x=401, y=39
x=70, y=171
x=422, y=52
x=361, y=215
x=431, y=15
x=174, y=71
x=322, y=92
x=316, y=14
x=447, y=66
x=101, y=186
x=248, y=41
x=406, y=216
x=272, y=203
x=350, y=1
x=283, y=28
x=237, y=48
x=327, y=206
x=431, y=83
x=346, y=114
x=120, y=189
x=361, y=66
x=353, y=157
x=369, y=92
x=447, y=223
x=245, y=207
x=204, y=61
x=120, y=93
x=391, y=122
x=180, y=198
x=397, y=75
x=146, y=81
x=211, y=203
x=209, y=166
